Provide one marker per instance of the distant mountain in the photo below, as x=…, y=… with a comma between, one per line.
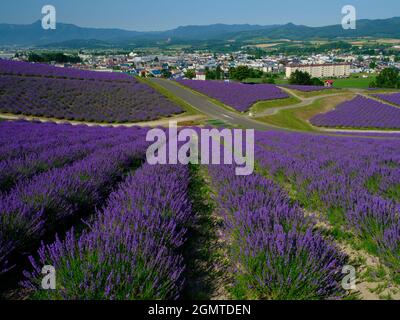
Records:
x=34, y=34
x=70, y=35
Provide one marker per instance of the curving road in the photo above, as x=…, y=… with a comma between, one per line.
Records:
x=204, y=105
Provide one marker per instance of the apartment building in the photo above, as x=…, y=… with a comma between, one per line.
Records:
x=321, y=70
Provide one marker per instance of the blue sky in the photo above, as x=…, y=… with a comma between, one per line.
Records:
x=147, y=15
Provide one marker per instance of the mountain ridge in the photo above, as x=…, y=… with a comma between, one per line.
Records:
x=34, y=35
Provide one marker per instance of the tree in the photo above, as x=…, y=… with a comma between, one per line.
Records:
x=210, y=74
x=166, y=73
x=372, y=65
x=316, y=82
x=240, y=73
x=218, y=73
x=300, y=78
x=190, y=74
x=388, y=78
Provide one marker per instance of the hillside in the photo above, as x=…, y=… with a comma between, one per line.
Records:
x=70, y=35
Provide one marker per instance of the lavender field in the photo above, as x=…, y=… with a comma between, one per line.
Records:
x=392, y=97
x=360, y=112
x=115, y=227
x=20, y=68
x=46, y=91
x=236, y=95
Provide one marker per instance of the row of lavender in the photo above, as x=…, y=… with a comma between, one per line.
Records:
x=73, y=99
x=20, y=68
x=391, y=97
x=39, y=203
x=355, y=181
x=131, y=250
x=48, y=154
x=274, y=251
x=361, y=112
x=237, y=95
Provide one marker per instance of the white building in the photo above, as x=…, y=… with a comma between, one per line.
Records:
x=200, y=76
x=339, y=70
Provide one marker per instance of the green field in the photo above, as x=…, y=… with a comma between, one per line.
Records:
x=279, y=80
x=297, y=119
x=354, y=82
x=264, y=105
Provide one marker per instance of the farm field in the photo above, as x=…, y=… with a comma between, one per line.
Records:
x=299, y=118
x=44, y=91
x=354, y=82
x=391, y=98
x=239, y=96
x=361, y=112
x=310, y=208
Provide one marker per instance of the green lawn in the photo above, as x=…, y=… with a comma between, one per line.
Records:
x=311, y=94
x=353, y=82
x=279, y=80
x=297, y=119
x=264, y=105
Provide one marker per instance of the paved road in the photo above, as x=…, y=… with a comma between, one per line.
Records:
x=211, y=109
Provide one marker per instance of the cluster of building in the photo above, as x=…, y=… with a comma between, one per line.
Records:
x=177, y=65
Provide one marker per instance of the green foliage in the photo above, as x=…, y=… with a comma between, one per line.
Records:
x=300, y=78
x=243, y=72
x=304, y=78
x=166, y=73
x=388, y=78
x=58, y=57
x=190, y=74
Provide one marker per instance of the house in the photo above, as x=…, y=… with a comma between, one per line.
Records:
x=329, y=83
x=200, y=76
x=156, y=73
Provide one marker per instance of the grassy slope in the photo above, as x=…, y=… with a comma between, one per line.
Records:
x=297, y=119
x=264, y=105
x=316, y=93
x=352, y=82
x=189, y=110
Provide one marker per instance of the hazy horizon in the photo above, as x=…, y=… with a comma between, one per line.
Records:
x=165, y=15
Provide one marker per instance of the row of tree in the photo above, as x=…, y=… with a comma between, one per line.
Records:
x=58, y=57
x=304, y=78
